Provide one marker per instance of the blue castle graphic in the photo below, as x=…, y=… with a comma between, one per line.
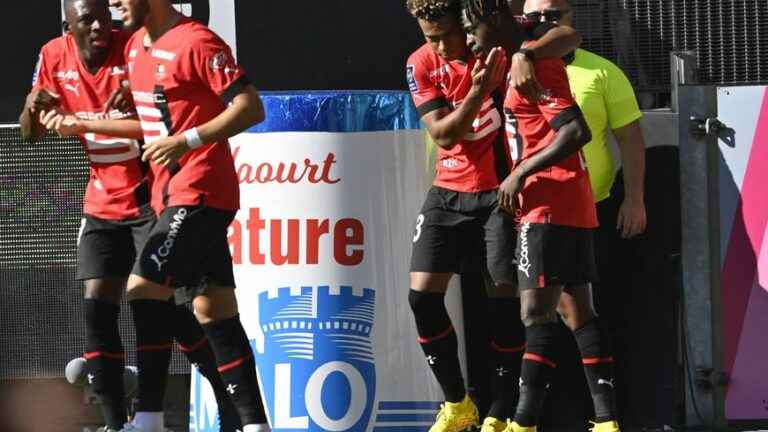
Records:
x=318, y=370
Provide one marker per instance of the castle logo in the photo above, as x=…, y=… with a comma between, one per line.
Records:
x=317, y=371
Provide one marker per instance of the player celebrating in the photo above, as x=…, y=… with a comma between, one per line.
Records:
x=190, y=96
x=77, y=73
x=453, y=92
x=555, y=253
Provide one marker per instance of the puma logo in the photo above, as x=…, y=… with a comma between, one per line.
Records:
x=73, y=88
x=606, y=382
x=158, y=261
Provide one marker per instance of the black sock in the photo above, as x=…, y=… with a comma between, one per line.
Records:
x=507, y=347
x=153, y=350
x=194, y=345
x=438, y=340
x=237, y=367
x=536, y=371
x=106, y=360
x=597, y=357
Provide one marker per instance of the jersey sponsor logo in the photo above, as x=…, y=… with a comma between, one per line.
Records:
x=117, y=70
x=317, y=343
x=67, y=75
x=163, y=54
x=149, y=97
x=132, y=53
x=449, y=163
x=113, y=114
x=409, y=76
x=165, y=249
x=524, y=263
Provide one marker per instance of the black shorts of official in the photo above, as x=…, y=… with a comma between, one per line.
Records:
x=554, y=255
x=107, y=248
x=455, y=228
x=187, y=249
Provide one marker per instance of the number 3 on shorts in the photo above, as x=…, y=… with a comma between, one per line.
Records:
x=419, y=222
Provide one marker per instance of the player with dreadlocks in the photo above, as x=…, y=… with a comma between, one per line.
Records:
x=459, y=97
x=549, y=189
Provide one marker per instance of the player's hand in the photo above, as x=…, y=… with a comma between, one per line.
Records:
x=165, y=151
x=522, y=77
x=64, y=124
x=121, y=100
x=488, y=74
x=41, y=100
x=508, y=190
x=632, y=218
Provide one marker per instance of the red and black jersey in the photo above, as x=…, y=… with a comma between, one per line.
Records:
x=118, y=186
x=470, y=165
x=560, y=194
x=180, y=82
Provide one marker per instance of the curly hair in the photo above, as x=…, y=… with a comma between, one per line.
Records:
x=433, y=10
x=474, y=11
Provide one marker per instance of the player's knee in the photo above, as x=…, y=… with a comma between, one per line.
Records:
x=533, y=313
x=139, y=288
x=106, y=290
x=430, y=282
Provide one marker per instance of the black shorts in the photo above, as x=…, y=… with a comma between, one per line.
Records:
x=187, y=248
x=454, y=228
x=107, y=248
x=554, y=255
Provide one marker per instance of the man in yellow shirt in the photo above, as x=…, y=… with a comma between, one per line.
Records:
x=608, y=102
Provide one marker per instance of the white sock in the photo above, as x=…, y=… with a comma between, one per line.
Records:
x=149, y=421
x=263, y=427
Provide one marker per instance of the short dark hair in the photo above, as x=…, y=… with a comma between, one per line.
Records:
x=433, y=10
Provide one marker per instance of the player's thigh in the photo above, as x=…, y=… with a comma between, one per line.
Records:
x=500, y=236
x=218, y=276
x=570, y=255
x=178, y=246
x=104, y=257
x=435, y=242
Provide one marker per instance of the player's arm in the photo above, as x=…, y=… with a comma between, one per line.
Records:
x=245, y=110
x=547, y=41
x=447, y=127
x=564, y=117
x=123, y=128
x=38, y=100
x=571, y=137
x=66, y=124
x=553, y=41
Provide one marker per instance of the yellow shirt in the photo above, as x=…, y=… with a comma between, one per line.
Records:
x=607, y=99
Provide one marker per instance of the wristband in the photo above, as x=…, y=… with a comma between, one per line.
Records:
x=193, y=138
x=529, y=54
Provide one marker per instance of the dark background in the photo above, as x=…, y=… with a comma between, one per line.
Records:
x=346, y=44
x=299, y=45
